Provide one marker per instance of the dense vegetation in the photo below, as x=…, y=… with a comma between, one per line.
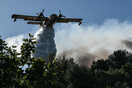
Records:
x=21, y=70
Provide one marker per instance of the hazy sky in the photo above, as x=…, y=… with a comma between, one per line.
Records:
x=92, y=11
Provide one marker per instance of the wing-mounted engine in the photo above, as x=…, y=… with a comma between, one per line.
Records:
x=60, y=15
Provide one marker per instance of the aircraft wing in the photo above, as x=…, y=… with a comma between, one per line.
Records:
x=63, y=20
x=66, y=20
x=29, y=18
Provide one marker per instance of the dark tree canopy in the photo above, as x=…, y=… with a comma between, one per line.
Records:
x=119, y=58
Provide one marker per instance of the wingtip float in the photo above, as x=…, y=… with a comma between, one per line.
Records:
x=42, y=20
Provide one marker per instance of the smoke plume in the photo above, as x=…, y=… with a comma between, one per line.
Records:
x=128, y=43
x=16, y=41
x=91, y=42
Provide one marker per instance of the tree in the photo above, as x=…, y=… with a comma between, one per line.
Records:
x=22, y=70
x=81, y=77
x=127, y=71
x=119, y=58
x=10, y=73
x=100, y=65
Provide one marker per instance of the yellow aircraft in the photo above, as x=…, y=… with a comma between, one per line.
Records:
x=48, y=21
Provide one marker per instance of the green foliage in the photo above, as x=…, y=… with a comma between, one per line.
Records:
x=80, y=77
x=21, y=70
x=119, y=58
x=27, y=48
x=9, y=66
x=99, y=65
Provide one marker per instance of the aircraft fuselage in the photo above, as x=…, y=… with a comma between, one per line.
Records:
x=53, y=19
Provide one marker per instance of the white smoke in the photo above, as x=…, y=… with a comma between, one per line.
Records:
x=16, y=40
x=91, y=42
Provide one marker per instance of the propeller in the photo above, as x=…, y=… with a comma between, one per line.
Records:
x=40, y=13
x=60, y=15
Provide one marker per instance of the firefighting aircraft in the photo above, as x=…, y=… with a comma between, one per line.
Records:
x=42, y=20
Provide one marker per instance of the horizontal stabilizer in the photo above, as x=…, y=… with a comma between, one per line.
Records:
x=34, y=23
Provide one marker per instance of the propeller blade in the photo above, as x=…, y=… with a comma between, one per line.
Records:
x=60, y=15
x=43, y=11
x=60, y=11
